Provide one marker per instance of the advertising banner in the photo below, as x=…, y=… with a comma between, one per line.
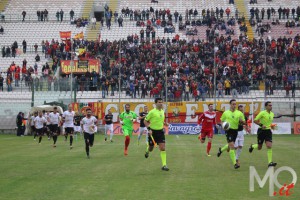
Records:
x=297, y=128
x=283, y=128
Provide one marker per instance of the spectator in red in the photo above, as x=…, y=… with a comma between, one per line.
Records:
x=17, y=76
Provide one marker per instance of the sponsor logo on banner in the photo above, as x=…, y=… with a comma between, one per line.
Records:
x=296, y=128
x=191, y=129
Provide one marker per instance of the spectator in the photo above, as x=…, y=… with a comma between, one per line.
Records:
x=37, y=58
x=93, y=22
x=57, y=15
x=220, y=90
x=24, y=15
x=71, y=14
x=1, y=30
x=24, y=43
x=61, y=13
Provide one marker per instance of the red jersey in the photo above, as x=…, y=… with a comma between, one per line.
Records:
x=207, y=119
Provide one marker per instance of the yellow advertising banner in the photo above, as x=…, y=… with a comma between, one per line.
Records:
x=178, y=112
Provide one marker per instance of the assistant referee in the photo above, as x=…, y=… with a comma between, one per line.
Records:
x=264, y=134
x=155, y=121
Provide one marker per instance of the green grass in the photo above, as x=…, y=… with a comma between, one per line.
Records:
x=40, y=172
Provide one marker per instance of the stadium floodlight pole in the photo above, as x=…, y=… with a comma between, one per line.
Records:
x=265, y=41
x=72, y=65
x=252, y=117
x=120, y=65
x=215, y=76
x=166, y=81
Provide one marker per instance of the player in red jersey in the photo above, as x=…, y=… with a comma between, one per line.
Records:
x=208, y=120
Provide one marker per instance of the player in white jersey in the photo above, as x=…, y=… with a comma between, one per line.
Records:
x=239, y=142
x=31, y=121
x=88, y=125
x=68, y=119
x=39, y=124
x=47, y=128
x=53, y=119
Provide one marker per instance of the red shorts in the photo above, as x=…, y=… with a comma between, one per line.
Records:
x=207, y=133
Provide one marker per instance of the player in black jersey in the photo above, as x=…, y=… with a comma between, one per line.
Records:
x=77, y=127
x=109, y=125
x=143, y=128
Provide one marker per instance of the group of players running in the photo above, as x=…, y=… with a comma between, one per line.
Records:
x=152, y=124
x=235, y=134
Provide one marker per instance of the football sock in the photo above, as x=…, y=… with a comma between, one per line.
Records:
x=105, y=133
x=66, y=137
x=208, y=147
x=127, y=141
x=238, y=153
x=254, y=146
x=71, y=140
x=54, y=139
x=34, y=136
x=163, y=156
x=111, y=135
x=87, y=148
x=224, y=148
x=270, y=153
x=40, y=139
x=232, y=156
x=147, y=138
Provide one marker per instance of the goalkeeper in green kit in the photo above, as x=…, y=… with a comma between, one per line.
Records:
x=126, y=120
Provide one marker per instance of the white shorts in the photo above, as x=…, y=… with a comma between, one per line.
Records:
x=143, y=130
x=239, y=142
x=77, y=129
x=109, y=127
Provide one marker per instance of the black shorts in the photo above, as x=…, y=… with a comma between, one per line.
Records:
x=158, y=136
x=32, y=128
x=264, y=135
x=53, y=128
x=231, y=135
x=40, y=131
x=69, y=130
x=89, y=137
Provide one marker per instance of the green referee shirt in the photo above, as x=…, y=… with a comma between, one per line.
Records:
x=156, y=118
x=265, y=118
x=233, y=118
x=127, y=119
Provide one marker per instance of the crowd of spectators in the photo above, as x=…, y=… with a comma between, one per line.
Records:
x=240, y=64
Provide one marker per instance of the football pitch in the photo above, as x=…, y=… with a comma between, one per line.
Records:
x=29, y=171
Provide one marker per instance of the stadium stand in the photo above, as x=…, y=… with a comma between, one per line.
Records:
x=270, y=64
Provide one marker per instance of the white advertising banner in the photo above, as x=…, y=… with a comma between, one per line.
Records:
x=282, y=128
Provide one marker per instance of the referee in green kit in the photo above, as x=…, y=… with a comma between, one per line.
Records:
x=155, y=121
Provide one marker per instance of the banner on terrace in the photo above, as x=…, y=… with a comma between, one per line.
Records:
x=65, y=34
x=93, y=65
